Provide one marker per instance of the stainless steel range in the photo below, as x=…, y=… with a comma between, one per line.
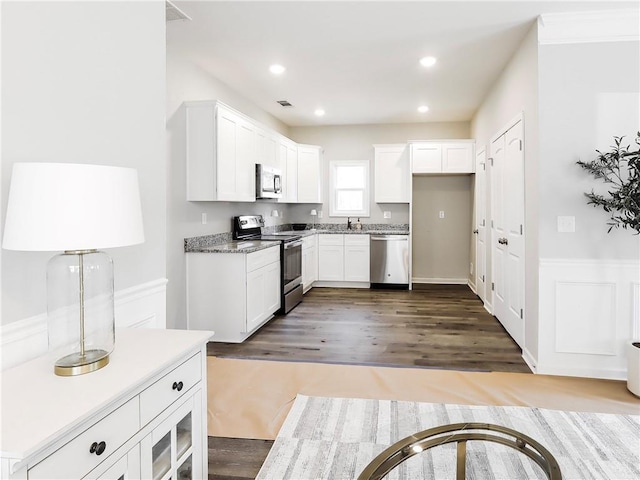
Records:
x=249, y=227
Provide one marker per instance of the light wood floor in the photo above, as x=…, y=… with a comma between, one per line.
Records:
x=432, y=326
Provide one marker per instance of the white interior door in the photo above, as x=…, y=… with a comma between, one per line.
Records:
x=514, y=229
x=498, y=248
x=481, y=223
x=507, y=231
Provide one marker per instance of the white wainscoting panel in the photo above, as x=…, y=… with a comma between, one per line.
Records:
x=580, y=308
x=586, y=317
x=141, y=306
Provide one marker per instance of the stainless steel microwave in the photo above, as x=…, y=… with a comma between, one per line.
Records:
x=268, y=182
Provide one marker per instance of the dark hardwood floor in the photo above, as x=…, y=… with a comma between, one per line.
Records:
x=432, y=326
x=435, y=326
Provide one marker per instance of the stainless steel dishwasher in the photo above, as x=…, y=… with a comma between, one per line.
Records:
x=389, y=264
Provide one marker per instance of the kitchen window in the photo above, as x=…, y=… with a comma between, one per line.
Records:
x=349, y=188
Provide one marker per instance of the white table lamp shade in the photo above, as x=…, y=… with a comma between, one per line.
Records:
x=314, y=212
x=78, y=209
x=64, y=206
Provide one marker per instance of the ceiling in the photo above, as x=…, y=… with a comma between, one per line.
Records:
x=358, y=60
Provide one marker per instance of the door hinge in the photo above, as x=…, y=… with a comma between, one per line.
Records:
x=484, y=167
x=493, y=286
x=483, y=222
x=491, y=160
x=520, y=229
x=520, y=145
x=483, y=278
x=491, y=223
x=521, y=314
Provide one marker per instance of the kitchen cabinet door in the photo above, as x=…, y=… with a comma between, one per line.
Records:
x=426, y=158
x=457, y=158
x=309, y=174
x=272, y=288
x=289, y=166
x=309, y=267
x=392, y=174
x=331, y=263
x=256, y=287
x=126, y=468
x=221, y=154
x=267, y=149
x=356, y=258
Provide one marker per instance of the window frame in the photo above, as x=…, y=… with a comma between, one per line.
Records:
x=333, y=191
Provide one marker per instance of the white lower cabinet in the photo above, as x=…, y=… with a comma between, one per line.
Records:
x=232, y=294
x=143, y=416
x=343, y=258
x=126, y=467
x=169, y=450
x=309, y=262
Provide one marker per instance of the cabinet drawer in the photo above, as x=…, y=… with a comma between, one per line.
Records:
x=261, y=258
x=168, y=389
x=308, y=242
x=330, y=239
x=75, y=459
x=356, y=239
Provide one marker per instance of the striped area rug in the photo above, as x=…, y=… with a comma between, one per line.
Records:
x=335, y=438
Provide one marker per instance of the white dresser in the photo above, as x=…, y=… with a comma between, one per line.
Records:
x=143, y=416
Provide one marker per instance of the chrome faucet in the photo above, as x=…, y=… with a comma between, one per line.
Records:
x=348, y=223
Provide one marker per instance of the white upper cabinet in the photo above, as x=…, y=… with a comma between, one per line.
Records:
x=392, y=174
x=224, y=146
x=267, y=144
x=454, y=156
x=221, y=154
x=288, y=153
x=309, y=174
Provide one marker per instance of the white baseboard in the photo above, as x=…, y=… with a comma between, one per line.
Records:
x=325, y=283
x=472, y=286
x=529, y=360
x=140, y=306
x=444, y=281
x=588, y=312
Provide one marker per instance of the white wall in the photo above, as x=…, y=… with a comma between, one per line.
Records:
x=185, y=82
x=589, y=279
x=515, y=91
x=355, y=142
x=84, y=82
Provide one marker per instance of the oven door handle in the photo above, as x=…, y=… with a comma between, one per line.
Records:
x=297, y=243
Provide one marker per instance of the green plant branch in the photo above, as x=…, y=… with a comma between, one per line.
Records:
x=623, y=200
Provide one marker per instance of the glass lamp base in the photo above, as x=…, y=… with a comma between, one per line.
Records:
x=77, y=364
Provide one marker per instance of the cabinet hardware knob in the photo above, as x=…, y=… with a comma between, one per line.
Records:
x=98, y=448
x=177, y=386
x=475, y=231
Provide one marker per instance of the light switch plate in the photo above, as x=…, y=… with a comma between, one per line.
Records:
x=319, y=213
x=441, y=214
x=566, y=224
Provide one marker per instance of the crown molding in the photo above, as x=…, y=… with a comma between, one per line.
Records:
x=589, y=27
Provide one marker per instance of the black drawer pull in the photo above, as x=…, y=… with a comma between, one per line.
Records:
x=177, y=386
x=98, y=448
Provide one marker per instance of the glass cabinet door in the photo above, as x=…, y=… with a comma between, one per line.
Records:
x=168, y=451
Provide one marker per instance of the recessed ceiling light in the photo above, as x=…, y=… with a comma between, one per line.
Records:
x=319, y=112
x=423, y=109
x=428, y=61
x=277, y=69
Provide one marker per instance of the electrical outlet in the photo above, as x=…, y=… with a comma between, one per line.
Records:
x=441, y=214
x=471, y=268
x=204, y=218
x=319, y=213
x=387, y=214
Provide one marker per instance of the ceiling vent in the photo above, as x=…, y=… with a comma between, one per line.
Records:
x=174, y=13
x=284, y=103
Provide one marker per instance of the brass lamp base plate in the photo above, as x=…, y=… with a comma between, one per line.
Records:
x=77, y=364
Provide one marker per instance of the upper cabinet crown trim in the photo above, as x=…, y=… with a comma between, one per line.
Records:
x=589, y=27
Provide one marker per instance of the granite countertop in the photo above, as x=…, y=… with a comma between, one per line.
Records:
x=242, y=246
x=223, y=242
x=334, y=231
